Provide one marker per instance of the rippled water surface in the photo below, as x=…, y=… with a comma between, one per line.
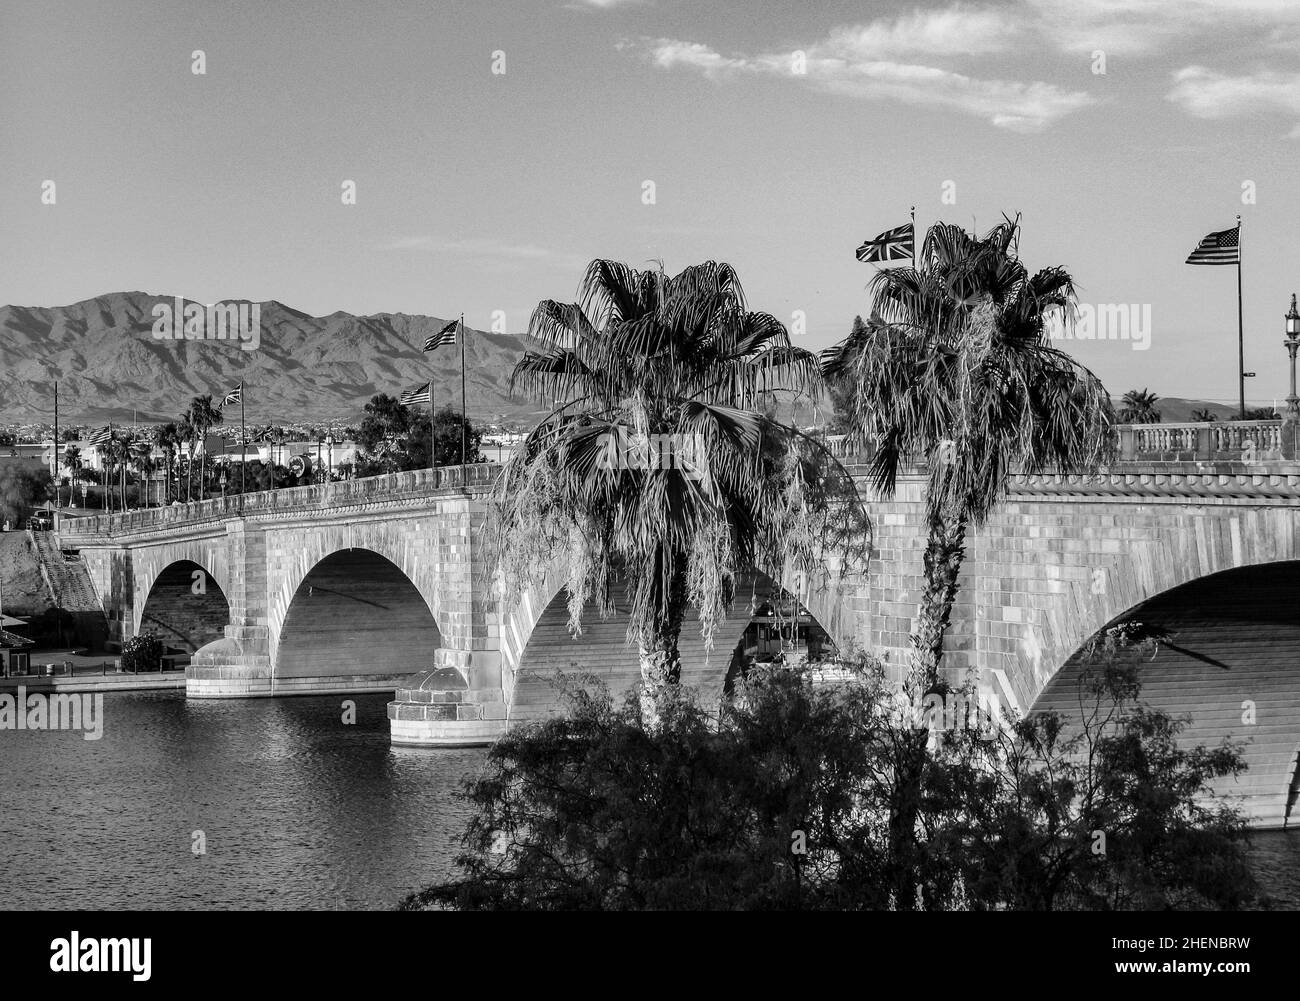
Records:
x=298, y=810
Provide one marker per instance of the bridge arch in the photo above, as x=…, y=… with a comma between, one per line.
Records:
x=536, y=644
x=1232, y=663
x=355, y=614
x=1076, y=565
x=209, y=555
x=184, y=606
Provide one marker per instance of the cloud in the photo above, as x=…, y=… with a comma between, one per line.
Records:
x=1207, y=93
x=841, y=65
x=485, y=252
x=1137, y=27
x=956, y=31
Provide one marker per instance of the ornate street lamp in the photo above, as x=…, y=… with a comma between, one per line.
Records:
x=1292, y=342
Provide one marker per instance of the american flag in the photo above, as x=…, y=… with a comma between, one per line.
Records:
x=418, y=395
x=447, y=335
x=891, y=245
x=236, y=395
x=1218, y=248
x=102, y=436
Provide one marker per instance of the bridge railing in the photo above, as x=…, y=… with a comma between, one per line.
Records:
x=1230, y=440
x=415, y=482
x=1207, y=441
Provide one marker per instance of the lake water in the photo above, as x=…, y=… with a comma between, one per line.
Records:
x=297, y=810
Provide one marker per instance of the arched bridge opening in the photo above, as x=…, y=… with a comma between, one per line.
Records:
x=356, y=615
x=186, y=608
x=1232, y=664
x=766, y=624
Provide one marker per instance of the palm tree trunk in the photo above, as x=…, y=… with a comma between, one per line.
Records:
x=661, y=662
x=944, y=552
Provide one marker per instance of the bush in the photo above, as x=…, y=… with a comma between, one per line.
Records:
x=785, y=798
x=142, y=653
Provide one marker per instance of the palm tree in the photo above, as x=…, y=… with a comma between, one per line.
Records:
x=168, y=438
x=955, y=367
x=187, y=434
x=142, y=460
x=203, y=415
x=1139, y=407
x=116, y=454
x=72, y=463
x=641, y=358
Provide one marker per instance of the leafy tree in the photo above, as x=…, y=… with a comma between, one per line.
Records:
x=783, y=800
x=1256, y=414
x=1203, y=416
x=23, y=489
x=678, y=363
x=956, y=367
x=1102, y=810
x=1139, y=407
x=394, y=438
x=142, y=653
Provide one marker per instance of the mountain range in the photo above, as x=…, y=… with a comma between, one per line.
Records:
x=109, y=364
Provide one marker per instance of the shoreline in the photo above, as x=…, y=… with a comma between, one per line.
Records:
x=153, y=681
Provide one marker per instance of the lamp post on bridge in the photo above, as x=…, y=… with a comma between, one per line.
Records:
x=1291, y=419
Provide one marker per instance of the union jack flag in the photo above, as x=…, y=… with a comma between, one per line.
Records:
x=418, y=395
x=892, y=245
x=447, y=335
x=1223, y=247
x=236, y=395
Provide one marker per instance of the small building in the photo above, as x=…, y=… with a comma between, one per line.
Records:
x=15, y=657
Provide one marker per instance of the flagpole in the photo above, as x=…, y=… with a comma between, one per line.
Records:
x=55, y=450
x=243, y=454
x=1241, y=340
x=433, y=441
x=463, y=416
x=913, y=237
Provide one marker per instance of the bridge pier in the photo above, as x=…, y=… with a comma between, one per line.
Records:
x=457, y=704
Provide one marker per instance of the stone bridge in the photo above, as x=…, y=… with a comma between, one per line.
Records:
x=378, y=585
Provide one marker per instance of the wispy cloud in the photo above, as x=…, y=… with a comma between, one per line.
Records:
x=847, y=63
x=1135, y=27
x=1207, y=93
x=485, y=252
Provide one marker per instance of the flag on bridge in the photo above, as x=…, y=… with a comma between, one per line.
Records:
x=447, y=335
x=236, y=395
x=420, y=394
x=1223, y=247
x=895, y=244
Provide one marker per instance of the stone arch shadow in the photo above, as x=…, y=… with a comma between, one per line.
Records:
x=1232, y=665
x=1196, y=542
x=185, y=606
x=354, y=614
x=536, y=644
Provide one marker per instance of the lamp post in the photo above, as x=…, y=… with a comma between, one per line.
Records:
x=329, y=456
x=1292, y=342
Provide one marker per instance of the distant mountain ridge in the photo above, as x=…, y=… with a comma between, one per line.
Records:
x=108, y=364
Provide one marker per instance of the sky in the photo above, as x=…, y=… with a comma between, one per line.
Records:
x=497, y=146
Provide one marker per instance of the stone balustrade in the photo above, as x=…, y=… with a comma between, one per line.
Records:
x=390, y=487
